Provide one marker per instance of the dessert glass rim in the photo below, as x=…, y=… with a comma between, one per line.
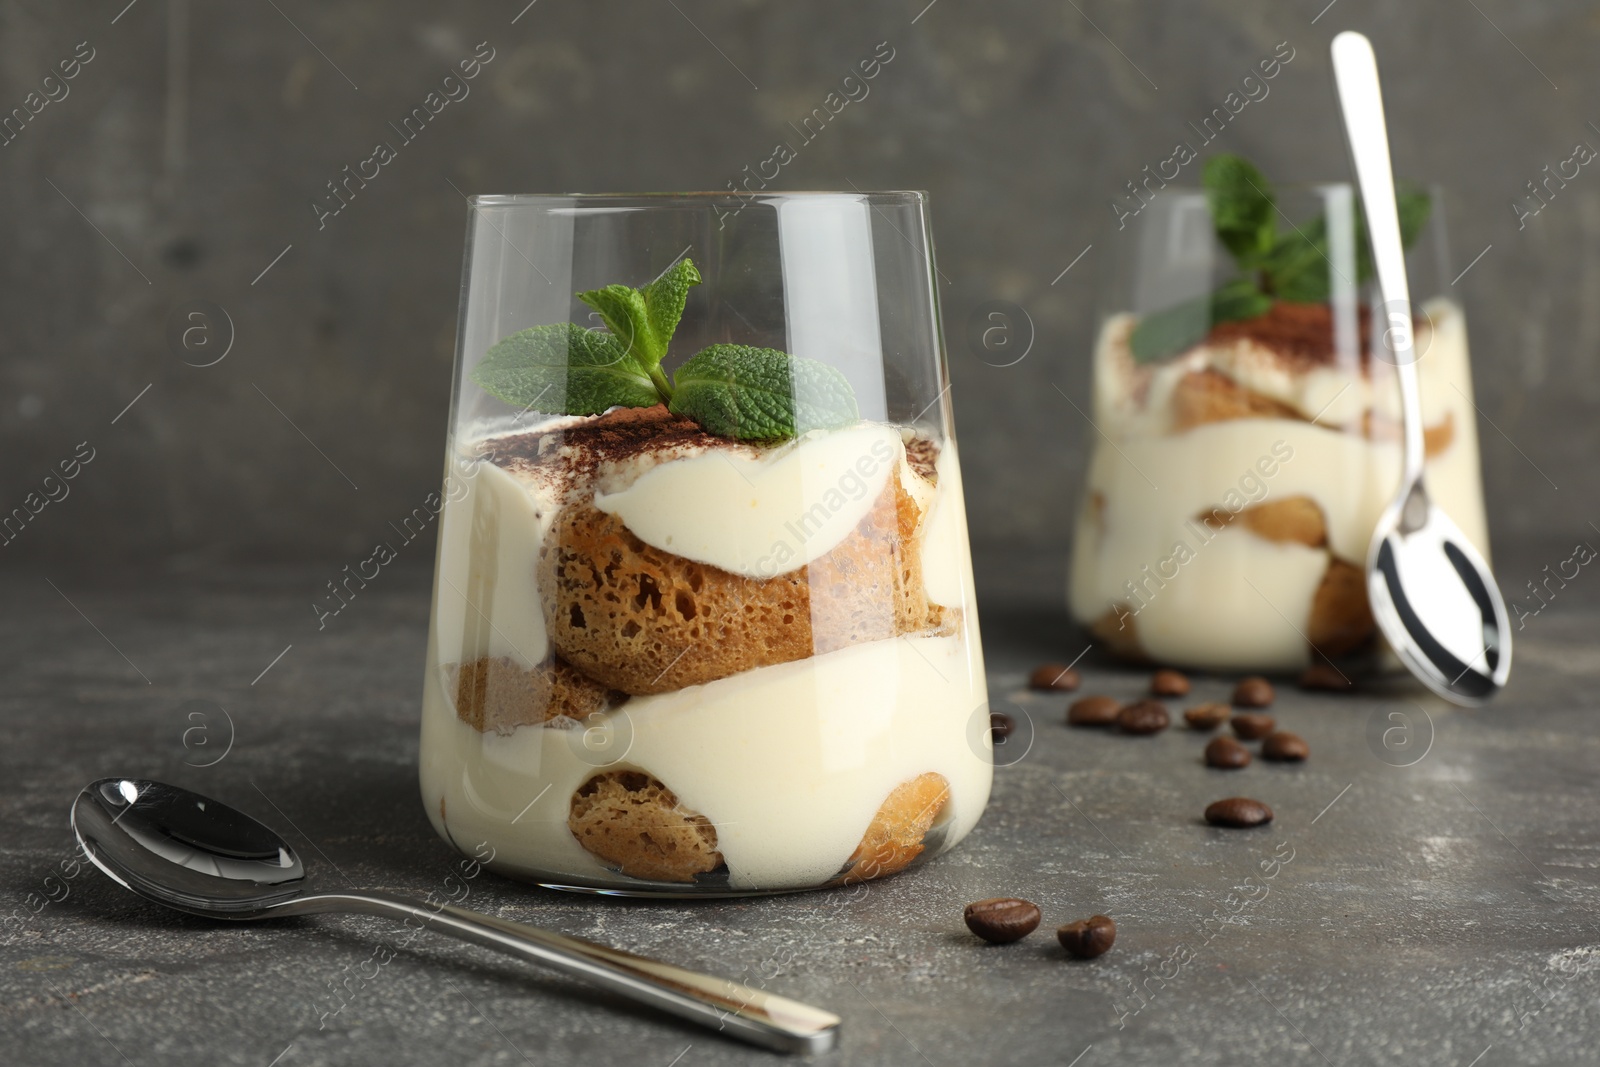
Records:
x=694, y=196
x=1305, y=185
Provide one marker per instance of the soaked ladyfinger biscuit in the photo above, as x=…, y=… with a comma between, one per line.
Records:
x=642, y=620
x=1435, y=439
x=499, y=694
x=1117, y=632
x=632, y=822
x=1205, y=396
x=1297, y=519
x=1341, y=618
x=895, y=836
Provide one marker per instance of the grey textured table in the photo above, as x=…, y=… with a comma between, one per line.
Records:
x=1438, y=913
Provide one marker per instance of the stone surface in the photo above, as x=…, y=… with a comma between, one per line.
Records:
x=198, y=137
x=1423, y=914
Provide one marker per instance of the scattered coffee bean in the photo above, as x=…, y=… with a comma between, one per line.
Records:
x=1326, y=677
x=1093, y=711
x=1054, y=676
x=1001, y=920
x=1001, y=725
x=1238, y=812
x=1088, y=938
x=1253, y=692
x=1143, y=717
x=1206, y=716
x=1228, y=754
x=1252, y=726
x=1169, y=683
x=1284, y=747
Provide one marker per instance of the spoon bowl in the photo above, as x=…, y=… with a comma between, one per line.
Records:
x=184, y=850
x=200, y=856
x=1435, y=601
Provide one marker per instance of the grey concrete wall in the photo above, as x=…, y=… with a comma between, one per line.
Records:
x=186, y=154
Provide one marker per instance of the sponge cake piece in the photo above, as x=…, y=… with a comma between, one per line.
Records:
x=499, y=694
x=632, y=822
x=642, y=620
x=894, y=837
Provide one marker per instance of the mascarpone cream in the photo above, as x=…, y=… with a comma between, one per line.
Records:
x=761, y=514
x=789, y=762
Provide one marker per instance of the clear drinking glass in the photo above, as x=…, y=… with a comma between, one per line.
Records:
x=1242, y=451
x=700, y=650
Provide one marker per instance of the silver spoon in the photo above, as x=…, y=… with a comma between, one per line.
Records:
x=1432, y=593
x=199, y=856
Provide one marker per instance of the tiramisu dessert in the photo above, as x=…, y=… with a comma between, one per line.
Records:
x=1250, y=441
x=707, y=634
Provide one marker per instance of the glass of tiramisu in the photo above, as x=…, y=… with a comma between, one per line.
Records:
x=1246, y=424
x=703, y=618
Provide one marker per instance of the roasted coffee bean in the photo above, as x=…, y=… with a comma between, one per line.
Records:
x=1326, y=677
x=1284, y=747
x=1001, y=920
x=1206, y=716
x=1238, y=812
x=1054, y=676
x=1143, y=717
x=1252, y=726
x=1088, y=938
x=1001, y=725
x=1169, y=683
x=1253, y=692
x=1226, y=753
x=1093, y=711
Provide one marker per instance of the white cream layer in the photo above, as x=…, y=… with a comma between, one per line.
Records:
x=1243, y=602
x=946, y=553
x=760, y=515
x=484, y=599
x=789, y=762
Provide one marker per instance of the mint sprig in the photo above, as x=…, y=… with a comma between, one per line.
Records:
x=564, y=369
x=1243, y=210
x=737, y=391
x=756, y=394
x=645, y=319
x=1182, y=326
x=1293, y=265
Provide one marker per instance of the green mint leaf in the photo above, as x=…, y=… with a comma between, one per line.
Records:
x=1242, y=207
x=644, y=319
x=1414, y=205
x=1177, y=329
x=623, y=311
x=664, y=299
x=564, y=369
x=1298, y=266
x=761, y=394
x=1171, y=330
x=1239, y=299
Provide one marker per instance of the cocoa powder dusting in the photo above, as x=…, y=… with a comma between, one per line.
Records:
x=1298, y=333
x=616, y=435
x=628, y=432
x=922, y=455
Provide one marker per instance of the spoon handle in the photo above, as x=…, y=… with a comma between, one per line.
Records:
x=718, y=1003
x=1355, y=73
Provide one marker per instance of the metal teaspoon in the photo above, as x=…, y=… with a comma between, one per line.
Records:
x=202, y=857
x=1432, y=594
